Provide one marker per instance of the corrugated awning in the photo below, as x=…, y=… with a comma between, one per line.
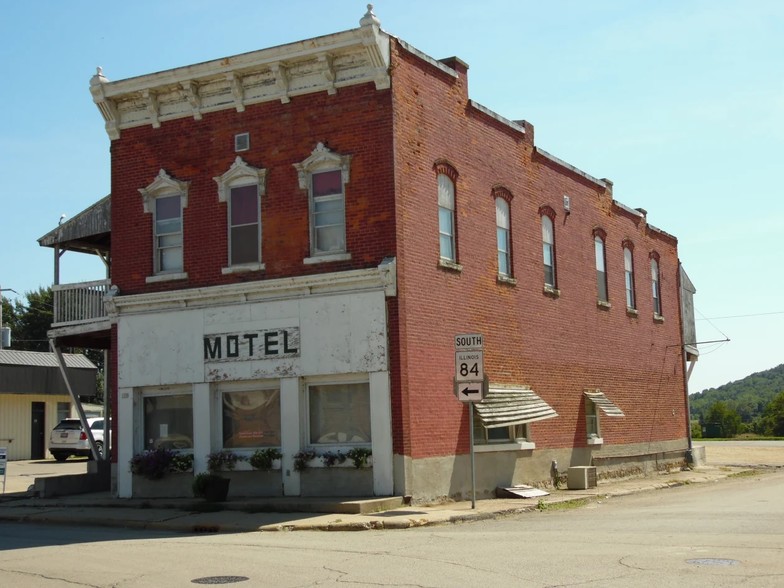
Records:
x=504, y=407
x=600, y=400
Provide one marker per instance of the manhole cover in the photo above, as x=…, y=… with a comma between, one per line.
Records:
x=220, y=580
x=713, y=561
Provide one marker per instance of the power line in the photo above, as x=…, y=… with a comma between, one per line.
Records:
x=716, y=318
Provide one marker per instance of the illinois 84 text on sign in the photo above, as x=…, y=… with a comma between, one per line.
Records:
x=469, y=366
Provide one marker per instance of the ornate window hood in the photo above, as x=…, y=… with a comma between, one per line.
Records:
x=321, y=64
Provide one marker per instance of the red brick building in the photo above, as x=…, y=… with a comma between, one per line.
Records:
x=298, y=234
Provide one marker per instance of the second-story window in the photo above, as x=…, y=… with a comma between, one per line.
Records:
x=601, y=265
x=628, y=272
x=242, y=187
x=503, y=231
x=324, y=175
x=548, y=247
x=446, y=217
x=166, y=198
x=657, y=306
x=168, y=234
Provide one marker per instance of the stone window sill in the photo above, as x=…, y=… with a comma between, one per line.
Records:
x=241, y=269
x=551, y=291
x=506, y=280
x=167, y=277
x=657, y=318
x=632, y=312
x=595, y=441
x=603, y=304
x=448, y=264
x=326, y=258
x=512, y=446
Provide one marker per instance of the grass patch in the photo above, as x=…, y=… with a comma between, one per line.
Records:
x=567, y=505
x=745, y=474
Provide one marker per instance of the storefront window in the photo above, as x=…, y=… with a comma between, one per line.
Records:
x=339, y=413
x=168, y=422
x=251, y=419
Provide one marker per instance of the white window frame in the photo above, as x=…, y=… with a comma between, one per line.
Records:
x=593, y=427
x=336, y=446
x=241, y=175
x=164, y=186
x=503, y=236
x=548, y=246
x=141, y=394
x=656, y=287
x=600, y=255
x=217, y=413
x=446, y=218
x=628, y=270
x=322, y=159
x=518, y=438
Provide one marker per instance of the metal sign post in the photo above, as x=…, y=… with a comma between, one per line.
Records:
x=470, y=387
x=3, y=463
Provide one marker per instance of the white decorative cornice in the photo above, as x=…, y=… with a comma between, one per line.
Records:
x=321, y=64
x=381, y=278
x=240, y=173
x=322, y=158
x=164, y=185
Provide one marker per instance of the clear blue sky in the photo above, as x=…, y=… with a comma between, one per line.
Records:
x=679, y=102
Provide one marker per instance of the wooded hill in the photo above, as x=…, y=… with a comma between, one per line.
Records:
x=750, y=398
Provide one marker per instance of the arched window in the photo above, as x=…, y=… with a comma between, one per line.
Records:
x=656, y=286
x=628, y=272
x=166, y=198
x=548, y=246
x=502, y=229
x=601, y=265
x=446, y=217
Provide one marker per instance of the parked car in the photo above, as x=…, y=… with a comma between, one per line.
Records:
x=68, y=438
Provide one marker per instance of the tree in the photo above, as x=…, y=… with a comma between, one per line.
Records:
x=774, y=416
x=721, y=420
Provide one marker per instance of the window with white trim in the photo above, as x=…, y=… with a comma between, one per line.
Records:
x=168, y=420
x=242, y=187
x=166, y=198
x=339, y=414
x=592, y=420
x=498, y=435
x=601, y=266
x=250, y=416
x=628, y=271
x=548, y=250
x=502, y=226
x=655, y=285
x=446, y=218
x=324, y=175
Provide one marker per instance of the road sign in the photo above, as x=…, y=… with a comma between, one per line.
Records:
x=469, y=341
x=469, y=366
x=470, y=391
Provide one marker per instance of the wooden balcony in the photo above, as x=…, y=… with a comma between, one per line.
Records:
x=80, y=304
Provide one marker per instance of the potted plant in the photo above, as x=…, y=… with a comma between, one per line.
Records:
x=223, y=461
x=359, y=455
x=211, y=487
x=302, y=457
x=155, y=464
x=262, y=459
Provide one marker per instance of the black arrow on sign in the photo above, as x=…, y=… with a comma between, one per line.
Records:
x=470, y=391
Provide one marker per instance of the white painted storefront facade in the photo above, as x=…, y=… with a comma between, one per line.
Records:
x=284, y=338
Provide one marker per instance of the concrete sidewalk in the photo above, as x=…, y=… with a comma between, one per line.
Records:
x=243, y=515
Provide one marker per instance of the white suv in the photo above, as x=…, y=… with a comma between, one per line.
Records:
x=68, y=438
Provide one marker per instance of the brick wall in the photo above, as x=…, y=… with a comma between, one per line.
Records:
x=355, y=121
x=559, y=346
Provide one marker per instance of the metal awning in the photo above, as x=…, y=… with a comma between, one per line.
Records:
x=600, y=400
x=504, y=407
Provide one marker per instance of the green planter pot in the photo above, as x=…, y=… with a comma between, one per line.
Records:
x=217, y=490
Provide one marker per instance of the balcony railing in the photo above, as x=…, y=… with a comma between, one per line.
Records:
x=79, y=303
